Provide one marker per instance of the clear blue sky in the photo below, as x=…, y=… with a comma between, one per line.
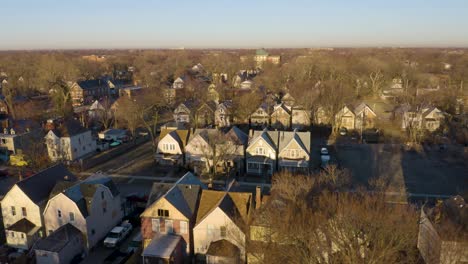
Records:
x=44, y=24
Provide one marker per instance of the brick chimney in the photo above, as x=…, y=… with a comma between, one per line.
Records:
x=49, y=125
x=258, y=197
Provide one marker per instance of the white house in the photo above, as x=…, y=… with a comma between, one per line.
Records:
x=222, y=115
x=24, y=203
x=294, y=151
x=261, y=153
x=178, y=83
x=429, y=118
x=182, y=114
x=69, y=141
x=261, y=116
x=171, y=146
x=93, y=206
x=221, y=215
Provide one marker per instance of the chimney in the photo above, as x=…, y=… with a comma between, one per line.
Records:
x=258, y=196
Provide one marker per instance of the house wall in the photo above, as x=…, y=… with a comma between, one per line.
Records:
x=73, y=248
x=287, y=161
x=217, y=218
x=174, y=215
x=69, y=148
x=259, y=117
x=20, y=240
x=15, y=197
x=251, y=154
x=280, y=118
x=169, y=140
x=100, y=223
x=61, y=202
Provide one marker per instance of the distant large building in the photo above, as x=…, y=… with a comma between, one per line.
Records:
x=262, y=56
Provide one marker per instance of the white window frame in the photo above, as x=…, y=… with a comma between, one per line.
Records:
x=168, y=223
x=155, y=225
x=183, y=227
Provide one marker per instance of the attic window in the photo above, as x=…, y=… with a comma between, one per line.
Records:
x=163, y=213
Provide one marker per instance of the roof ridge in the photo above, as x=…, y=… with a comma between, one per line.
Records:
x=39, y=172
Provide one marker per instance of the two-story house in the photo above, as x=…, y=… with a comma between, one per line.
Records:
x=261, y=116
x=23, y=206
x=221, y=215
x=428, y=118
x=199, y=152
x=172, y=209
x=85, y=92
x=261, y=152
x=93, y=206
x=365, y=116
x=204, y=114
x=182, y=114
x=300, y=118
x=68, y=140
x=171, y=146
x=222, y=114
x=346, y=118
x=281, y=116
x=178, y=83
x=294, y=151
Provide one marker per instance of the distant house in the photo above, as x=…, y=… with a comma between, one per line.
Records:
x=429, y=118
x=93, y=206
x=246, y=85
x=171, y=146
x=68, y=140
x=171, y=210
x=182, y=114
x=204, y=114
x=199, y=150
x=281, y=116
x=261, y=116
x=288, y=100
x=321, y=117
x=85, y=92
x=442, y=237
x=213, y=95
x=130, y=91
x=221, y=215
x=393, y=90
x=222, y=114
x=346, y=118
x=300, y=118
x=23, y=206
x=365, y=116
x=178, y=83
x=294, y=151
x=261, y=153
x=18, y=136
x=61, y=246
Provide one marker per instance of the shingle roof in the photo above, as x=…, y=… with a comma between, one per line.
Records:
x=38, y=186
x=237, y=135
x=302, y=138
x=223, y=248
x=271, y=137
x=56, y=241
x=180, y=135
x=162, y=246
x=90, y=84
x=23, y=226
x=69, y=128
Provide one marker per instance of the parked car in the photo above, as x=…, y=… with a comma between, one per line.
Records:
x=118, y=234
x=324, y=157
x=343, y=131
x=115, y=143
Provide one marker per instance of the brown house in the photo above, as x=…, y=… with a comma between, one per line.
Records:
x=85, y=92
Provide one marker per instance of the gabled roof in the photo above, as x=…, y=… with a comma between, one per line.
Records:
x=23, y=226
x=182, y=108
x=429, y=110
x=238, y=136
x=90, y=84
x=69, y=128
x=235, y=205
x=183, y=194
x=361, y=107
x=38, y=186
x=270, y=137
x=179, y=135
x=56, y=241
x=96, y=106
x=302, y=138
x=283, y=107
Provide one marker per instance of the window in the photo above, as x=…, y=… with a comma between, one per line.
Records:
x=13, y=211
x=23, y=211
x=222, y=231
x=260, y=151
x=169, y=227
x=102, y=195
x=104, y=209
x=93, y=231
x=210, y=230
x=253, y=166
x=72, y=217
x=183, y=227
x=163, y=213
x=59, y=214
x=12, y=234
x=155, y=225
x=22, y=235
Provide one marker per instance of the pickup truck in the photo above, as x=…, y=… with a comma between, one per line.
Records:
x=118, y=234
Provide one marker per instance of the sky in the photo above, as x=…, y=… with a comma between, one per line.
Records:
x=108, y=24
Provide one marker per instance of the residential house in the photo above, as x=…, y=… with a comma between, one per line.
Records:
x=238, y=141
x=281, y=116
x=261, y=116
x=222, y=114
x=170, y=95
x=221, y=215
x=294, y=151
x=365, y=116
x=24, y=203
x=171, y=210
x=393, y=90
x=288, y=100
x=165, y=248
x=212, y=94
x=85, y=92
x=94, y=206
x=246, y=85
x=19, y=135
x=68, y=140
x=60, y=247
x=182, y=114
x=346, y=118
x=300, y=118
x=115, y=85
x=171, y=146
x=204, y=114
x=321, y=116
x=261, y=153
x=428, y=118
x=178, y=83
x=199, y=152
x=443, y=233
